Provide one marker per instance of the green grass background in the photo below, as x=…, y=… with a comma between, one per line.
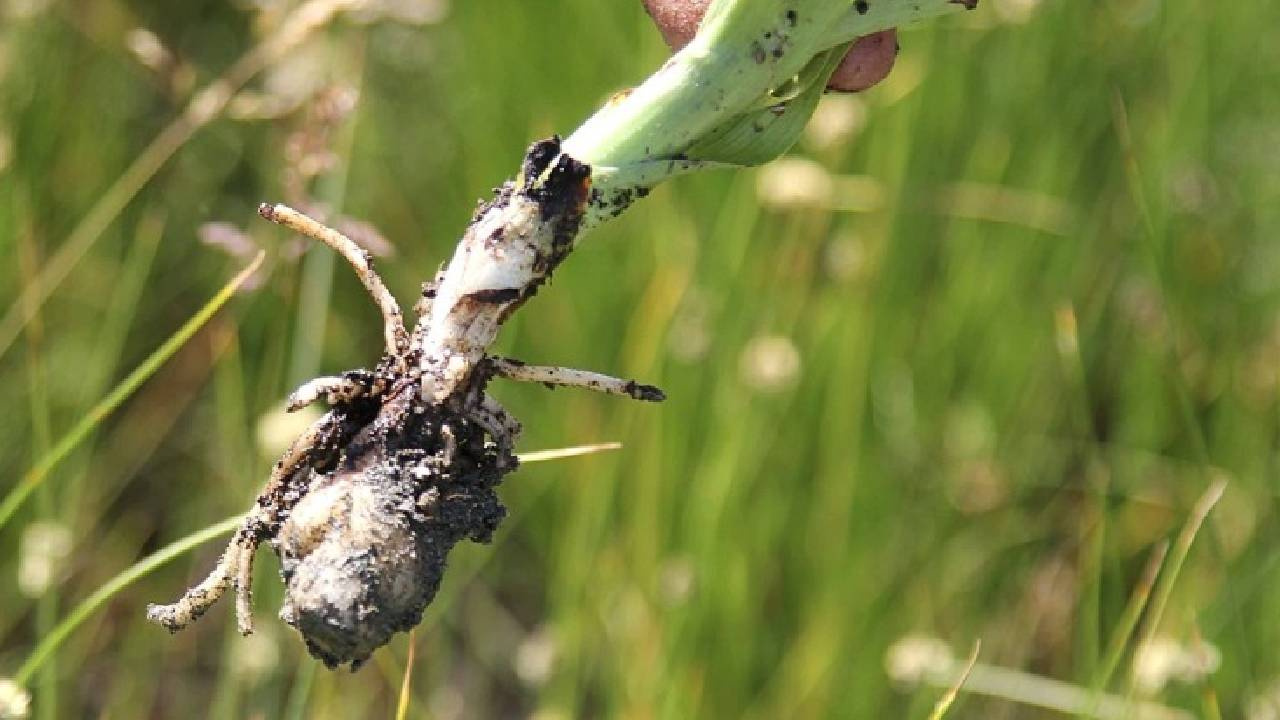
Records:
x=950, y=459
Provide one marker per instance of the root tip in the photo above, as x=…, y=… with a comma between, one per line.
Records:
x=649, y=393
x=164, y=616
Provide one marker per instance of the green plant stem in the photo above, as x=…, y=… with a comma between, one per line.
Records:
x=742, y=54
x=742, y=51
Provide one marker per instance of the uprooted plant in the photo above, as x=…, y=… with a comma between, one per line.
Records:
x=366, y=504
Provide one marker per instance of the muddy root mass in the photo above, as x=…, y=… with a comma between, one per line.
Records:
x=364, y=548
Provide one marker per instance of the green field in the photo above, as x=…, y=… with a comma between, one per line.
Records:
x=953, y=370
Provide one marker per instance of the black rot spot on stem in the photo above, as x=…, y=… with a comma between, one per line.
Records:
x=539, y=156
x=494, y=238
x=495, y=296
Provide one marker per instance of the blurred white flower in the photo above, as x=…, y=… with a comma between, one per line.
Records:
x=845, y=257
x=917, y=658
x=1161, y=660
x=769, y=363
x=1265, y=705
x=15, y=702
x=836, y=120
x=793, y=182
x=447, y=703
x=1016, y=12
x=6, y=148
x=23, y=9
x=148, y=49
x=42, y=554
x=676, y=580
x=300, y=74
x=535, y=657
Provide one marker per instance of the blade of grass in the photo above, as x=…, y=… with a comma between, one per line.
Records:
x=139, y=570
x=300, y=693
x=40, y=471
x=1129, y=620
x=46, y=697
x=949, y=697
x=1132, y=612
x=568, y=452
x=1062, y=697
x=1209, y=701
x=121, y=313
x=1181, y=548
x=402, y=705
x=1094, y=527
x=1133, y=176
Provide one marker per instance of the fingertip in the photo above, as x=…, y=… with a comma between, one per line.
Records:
x=867, y=62
x=677, y=20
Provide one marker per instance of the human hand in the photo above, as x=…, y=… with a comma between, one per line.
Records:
x=867, y=63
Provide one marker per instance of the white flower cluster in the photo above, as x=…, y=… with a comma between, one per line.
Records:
x=15, y=701
x=1161, y=660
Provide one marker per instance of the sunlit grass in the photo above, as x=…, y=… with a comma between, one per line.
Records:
x=966, y=380
x=99, y=412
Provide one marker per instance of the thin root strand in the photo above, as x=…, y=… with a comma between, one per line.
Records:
x=568, y=377
x=235, y=567
x=397, y=340
x=334, y=389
